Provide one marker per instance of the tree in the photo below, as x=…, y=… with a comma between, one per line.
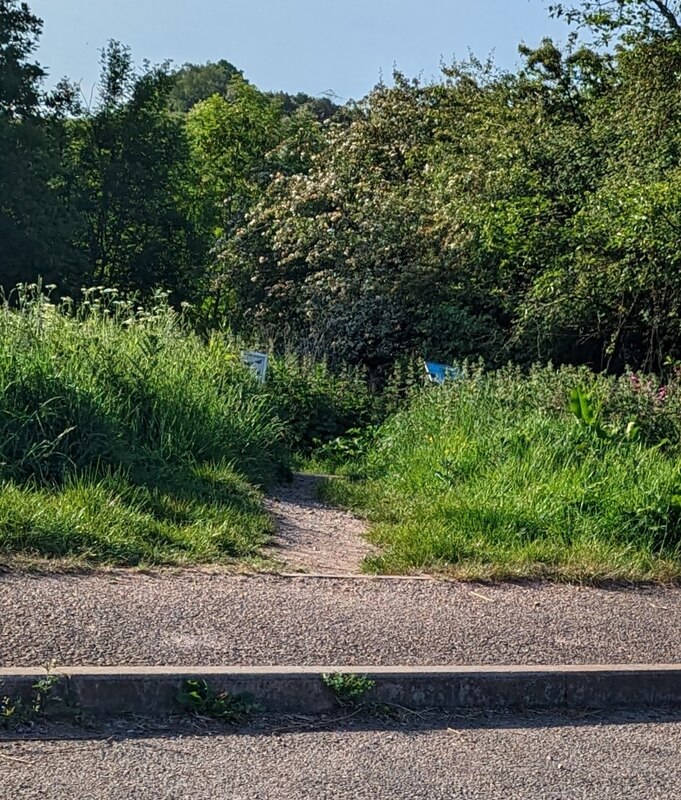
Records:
x=230, y=137
x=130, y=181
x=19, y=78
x=35, y=228
x=619, y=290
x=629, y=19
x=322, y=108
x=338, y=254
x=197, y=82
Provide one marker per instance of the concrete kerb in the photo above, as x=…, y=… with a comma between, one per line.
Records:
x=105, y=691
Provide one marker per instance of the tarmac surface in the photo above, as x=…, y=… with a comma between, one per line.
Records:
x=201, y=618
x=484, y=756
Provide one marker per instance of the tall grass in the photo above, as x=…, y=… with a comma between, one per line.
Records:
x=125, y=438
x=495, y=476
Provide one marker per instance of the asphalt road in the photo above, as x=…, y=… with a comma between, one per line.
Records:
x=485, y=757
x=193, y=618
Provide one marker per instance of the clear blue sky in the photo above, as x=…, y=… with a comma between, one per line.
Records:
x=294, y=45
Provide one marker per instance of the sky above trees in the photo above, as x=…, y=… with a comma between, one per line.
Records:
x=294, y=45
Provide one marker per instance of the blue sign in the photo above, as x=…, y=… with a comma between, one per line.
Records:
x=439, y=373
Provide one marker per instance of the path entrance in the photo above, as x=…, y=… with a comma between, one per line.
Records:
x=311, y=536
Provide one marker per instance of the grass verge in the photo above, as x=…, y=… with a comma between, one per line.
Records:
x=199, y=515
x=125, y=439
x=494, y=476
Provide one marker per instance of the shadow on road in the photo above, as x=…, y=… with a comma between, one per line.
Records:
x=345, y=721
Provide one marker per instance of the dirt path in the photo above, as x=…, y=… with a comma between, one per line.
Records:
x=313, y=536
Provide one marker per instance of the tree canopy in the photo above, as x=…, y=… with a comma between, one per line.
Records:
x=197, y=82
x=529, y=215
x=631, y=19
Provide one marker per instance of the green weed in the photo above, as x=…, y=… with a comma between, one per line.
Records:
x=198, y=698
x=23, y=710
x=347, y=688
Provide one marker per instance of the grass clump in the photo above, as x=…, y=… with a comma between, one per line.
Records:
x=558, y=474
x=126, y=439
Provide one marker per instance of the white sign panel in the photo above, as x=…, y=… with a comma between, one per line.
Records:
x=257, y=362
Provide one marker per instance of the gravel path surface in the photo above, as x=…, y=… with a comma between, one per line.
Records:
x=192, y=618
x=542, y=757
x=312, y=536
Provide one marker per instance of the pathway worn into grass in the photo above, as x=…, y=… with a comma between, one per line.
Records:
x=194, y=617
x=312, y=536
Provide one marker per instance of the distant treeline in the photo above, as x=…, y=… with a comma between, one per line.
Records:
x=528, y=216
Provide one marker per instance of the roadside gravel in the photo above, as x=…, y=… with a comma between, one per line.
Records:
x=193, y=617
x=542, y=756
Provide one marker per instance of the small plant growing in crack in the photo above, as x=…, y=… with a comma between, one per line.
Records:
x=200, y=699
x=347, y=688
x=19, y=710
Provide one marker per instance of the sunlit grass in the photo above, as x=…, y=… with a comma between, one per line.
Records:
x=126, y=439
x=207, y=515
x=492, y=477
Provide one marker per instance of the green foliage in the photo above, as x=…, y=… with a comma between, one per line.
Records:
x=196, y=82
x=117, y=379
x=628, y=19
x=526, y=216
x=351, y=448
x=124, y=438
x=334, y=253
x=530, y=215
x=19, y=78
x=198, y=698
x=493, y=476
x=348, y=688
x=321, y=108
x=35, y=225
x=582, y=407
x=128, y=175
x=173, y=515
x=23, y=710
x=229, y=137
x=316, y=404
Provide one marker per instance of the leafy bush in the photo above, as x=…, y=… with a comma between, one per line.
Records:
x=346, y=454
x=315, y=404
x=496, y=475
x=347, y=688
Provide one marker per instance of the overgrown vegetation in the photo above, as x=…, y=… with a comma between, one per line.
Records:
x=525, y=217
x=126, y=439
x=317, y=405
x=558, y=473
